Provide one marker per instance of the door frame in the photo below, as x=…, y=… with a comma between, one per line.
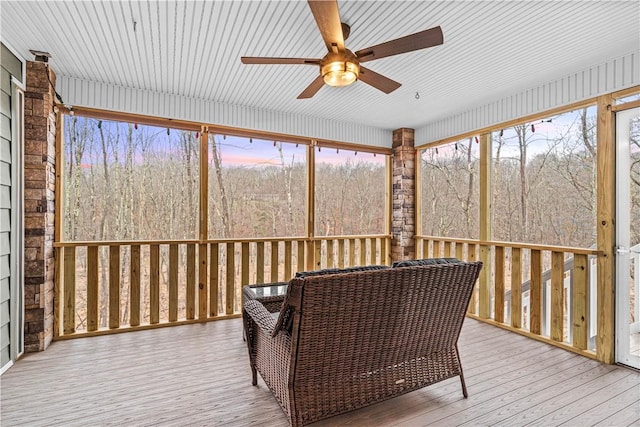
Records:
x=623, y=243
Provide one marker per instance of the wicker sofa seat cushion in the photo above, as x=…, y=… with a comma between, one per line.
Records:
x=286, y=312
x=426, y=261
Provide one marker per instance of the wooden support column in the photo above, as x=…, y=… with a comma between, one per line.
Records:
x=485, y=225
x=203, y=286
x=204, y=185
x=606, y=230
x=310, y=225
x=403, y=196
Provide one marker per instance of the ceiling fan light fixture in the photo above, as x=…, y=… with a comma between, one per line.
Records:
x=340, y=73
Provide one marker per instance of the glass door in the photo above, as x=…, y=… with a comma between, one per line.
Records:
x=628, y=237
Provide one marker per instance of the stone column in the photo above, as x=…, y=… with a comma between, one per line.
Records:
x=403, y=195
x=39, y=194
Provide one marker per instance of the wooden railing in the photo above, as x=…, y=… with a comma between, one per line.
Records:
x=106, y=287
x=545, y=292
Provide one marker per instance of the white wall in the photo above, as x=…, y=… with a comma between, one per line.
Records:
x=610, y=76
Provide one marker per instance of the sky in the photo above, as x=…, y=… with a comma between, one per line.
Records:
x=234, y=151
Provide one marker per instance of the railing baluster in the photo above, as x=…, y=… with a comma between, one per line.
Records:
x=173, y=282
x=471, y=255
x=363, y=251
x=134, y=291
x=472, y=252
x=244, y=262
x=288, y=255
x=214, y=278
x=202, y=281
x=69, y=317
x=383, y=251
x=191, y=281
x=459, y=247
x=580, y=301
x=300, y=256
x=374, y=249
x=535, y=294
x=260, y=262
x=154, y=284
x=231, y=278
x=330, y=253
x=92, y=288
x=114, y=287
x=447, y=249
x=274, y=261
x=341, y=253
x=425, y=248
x=499, y=285
x=352, y=252
x=516, y=288
x=317, y=251
x=557, y=296
x=436, y=249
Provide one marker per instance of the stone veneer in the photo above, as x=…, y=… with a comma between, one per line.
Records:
x=39, y=195
x=403, y=195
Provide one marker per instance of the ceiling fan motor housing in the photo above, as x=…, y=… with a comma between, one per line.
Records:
x=340, y=69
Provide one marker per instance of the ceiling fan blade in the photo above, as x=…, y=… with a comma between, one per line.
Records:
x=327, y=18
x=417, y=41
x=267, y=60
x=378, y=81
x=312, y=89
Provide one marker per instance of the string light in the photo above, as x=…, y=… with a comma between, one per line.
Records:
x=197, y=135
x=274, y=143
x=477, y=140
x=417, y=95
x=99, y=124
x=533, y=127
x=337, y=151
x=456, y=146
x=168, y=131
x=135, y=126
x=501, y=132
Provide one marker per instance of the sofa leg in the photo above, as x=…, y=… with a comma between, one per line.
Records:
x=254, y=376
x=464, y=386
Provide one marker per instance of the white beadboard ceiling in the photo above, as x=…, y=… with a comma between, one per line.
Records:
x=193, y=48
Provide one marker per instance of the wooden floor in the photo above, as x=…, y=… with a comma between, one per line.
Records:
x=198, y=375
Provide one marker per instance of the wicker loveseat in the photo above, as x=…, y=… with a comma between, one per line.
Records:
x=344, y=341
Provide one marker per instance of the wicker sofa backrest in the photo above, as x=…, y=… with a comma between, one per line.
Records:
x=385, y=317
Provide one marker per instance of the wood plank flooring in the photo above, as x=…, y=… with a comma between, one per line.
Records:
x=198, y=375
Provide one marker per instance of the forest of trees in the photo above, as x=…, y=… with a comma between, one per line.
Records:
x=130, y=182
x=543, y=181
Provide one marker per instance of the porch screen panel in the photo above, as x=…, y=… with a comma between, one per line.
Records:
x=544, y=192
x=350, y=192
x=126, y=181
x=256, y=188
x=449, y=186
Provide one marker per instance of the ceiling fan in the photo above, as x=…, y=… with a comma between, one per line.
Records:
x=341, y=67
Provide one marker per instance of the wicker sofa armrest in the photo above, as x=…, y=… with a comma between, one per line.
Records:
x=260, y=315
